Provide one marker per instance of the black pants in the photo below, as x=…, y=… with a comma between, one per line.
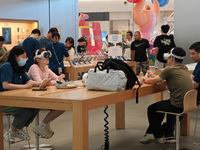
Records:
x=155, y=119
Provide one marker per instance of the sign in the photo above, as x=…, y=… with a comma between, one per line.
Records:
x=115, y=45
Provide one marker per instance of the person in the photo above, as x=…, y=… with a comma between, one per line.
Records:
x=13, y=77
x=45, y=40
x=31, y=44
x=138, y=53
x=69, y=43
x=58, y=50
x=82, y=45
x=38, y=72
x=163, y=44
x=195, y=55
x=3, y=51
x=145, y=18
x=105, y=46
x=129, y=40
x=178, y=82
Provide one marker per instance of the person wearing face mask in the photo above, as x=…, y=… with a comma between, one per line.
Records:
x=138, y=53
x=38, y=72
x=58, y=50
x=13, y=77
x=179, y=83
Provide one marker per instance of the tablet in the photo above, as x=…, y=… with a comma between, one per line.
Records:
x=43, y=85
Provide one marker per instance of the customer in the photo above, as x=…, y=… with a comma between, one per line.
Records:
x=69, y=43
x=38, y=72
x=31, y=44
x=195, y=55
x=127, y=49
x=163, y=44
x=13, y=77
x=138, y=53
x=179, y=82
x=105, y=46
x=58, y=50
x=47, y=39
x=3, y=51
x=82, y=45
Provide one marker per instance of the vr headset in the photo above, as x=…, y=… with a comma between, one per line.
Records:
x=167, y=55
x=43, y=55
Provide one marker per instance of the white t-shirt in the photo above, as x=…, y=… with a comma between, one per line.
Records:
x=127, y=53
x=105, y=47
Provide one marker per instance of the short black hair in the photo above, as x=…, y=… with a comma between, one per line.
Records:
x=55, y=34
x=131, y=33
x=71, y=40
x=52, y=30
x=36, y=31
x=16, y=51
x=165, y=28
x=179, y=52
x=2, y=38
x=82, y=39
x=195, y=46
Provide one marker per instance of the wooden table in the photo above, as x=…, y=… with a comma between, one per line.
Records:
x=79, y=101
x=86, y=67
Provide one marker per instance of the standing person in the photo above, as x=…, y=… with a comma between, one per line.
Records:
x=179, y=83
x=58, y=50
x=129, y=40
x=105, y=46
x=38, y=72
x=3, y=51
x=138, y=53
x=31, y=44
x=13, y=77
x=69, y=43
x=195, y=55
x=163, y=44
x=47, y=39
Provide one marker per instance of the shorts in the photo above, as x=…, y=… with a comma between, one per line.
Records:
x=160, y=65
x=143, y=65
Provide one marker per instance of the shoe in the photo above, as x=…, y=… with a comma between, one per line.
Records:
x=160, y=140
x=44, y=131
x=147, y=139
x=8, y=136
x=170, y=139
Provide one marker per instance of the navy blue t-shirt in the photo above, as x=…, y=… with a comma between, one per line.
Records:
x=7, y=74
x=196, y=78
x=60, y=51
x=31, y=44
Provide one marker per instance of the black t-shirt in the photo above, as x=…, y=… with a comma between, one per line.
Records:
x=165, y=43
x=81, y=48
x=140, y=49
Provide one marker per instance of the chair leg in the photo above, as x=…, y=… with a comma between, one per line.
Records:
x=195, y=128
x=177, y=132
x=8, y=118
x=36, y=136
x=29, y=145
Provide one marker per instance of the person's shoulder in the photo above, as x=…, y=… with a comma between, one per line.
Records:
x=34, y=66
x=7, y=65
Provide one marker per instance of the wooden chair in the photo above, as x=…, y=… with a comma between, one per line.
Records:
x=189, y=105
x=195, y=141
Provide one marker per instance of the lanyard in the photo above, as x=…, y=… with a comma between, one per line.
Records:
x=56, y=55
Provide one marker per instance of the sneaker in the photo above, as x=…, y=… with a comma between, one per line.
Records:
x=147, y=139
x=44, y=131
x=21, y=135
x=170, y=139
x=8, y=136
x=160, y=140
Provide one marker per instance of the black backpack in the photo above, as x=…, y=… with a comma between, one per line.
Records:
x=117, y=64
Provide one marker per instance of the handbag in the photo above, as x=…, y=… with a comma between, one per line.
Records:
x=105, y=80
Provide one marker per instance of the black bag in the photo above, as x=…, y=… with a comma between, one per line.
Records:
x=120, y=65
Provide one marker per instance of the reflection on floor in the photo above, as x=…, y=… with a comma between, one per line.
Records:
x=126, y=139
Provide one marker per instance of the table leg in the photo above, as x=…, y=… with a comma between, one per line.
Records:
x=1, y=128
x=73, y=75
x=185, y=125
x=80, y=127
x=120, y=115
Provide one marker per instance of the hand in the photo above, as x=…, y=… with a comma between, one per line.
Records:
x=72, y=66
x=150, y=74
x=29, y=84
x=142, y=80
x=60, y=78
x=148, y=60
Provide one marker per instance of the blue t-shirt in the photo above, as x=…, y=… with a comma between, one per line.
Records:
x=196, y=74
x=60, y=51
x=31, y=44
x=7, y=74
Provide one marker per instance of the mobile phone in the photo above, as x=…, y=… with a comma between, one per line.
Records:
x=73, y=62
x=122, y=58
x=83, y=60
x=39, y=89
x=78, y=61
x=88, y=60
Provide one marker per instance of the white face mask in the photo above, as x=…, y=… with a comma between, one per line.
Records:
x=22, y=62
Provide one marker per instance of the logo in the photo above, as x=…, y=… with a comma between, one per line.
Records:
x=166, y=41
x=139, y=44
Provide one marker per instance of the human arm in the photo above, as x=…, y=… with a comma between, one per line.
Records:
x=151, y=80
x=132, y=55
x=9, y=86
x=156, y=52
x=148, y=52
x=70, y=62
x=4, y=55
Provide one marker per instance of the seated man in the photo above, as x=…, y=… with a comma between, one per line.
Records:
x=179, y=82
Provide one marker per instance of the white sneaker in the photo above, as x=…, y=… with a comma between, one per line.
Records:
x=160, y=140
x=44, y=131
x=8, y=136
x=147, y=139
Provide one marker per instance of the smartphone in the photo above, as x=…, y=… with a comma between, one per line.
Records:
x=39, y=89
x=83, y=60
x=88, y=60
x=73, y=61
x=122, y=58
x=78, y=61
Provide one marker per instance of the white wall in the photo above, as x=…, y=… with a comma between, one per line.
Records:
x=187, y=24
x=64, y=13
